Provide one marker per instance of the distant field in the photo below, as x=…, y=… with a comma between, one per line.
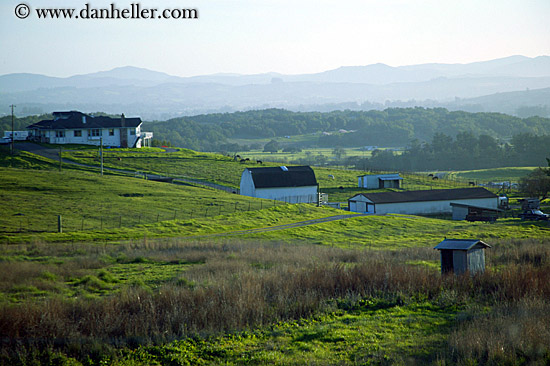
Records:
x=513, y=174
x=226, y=171
x=309, y=152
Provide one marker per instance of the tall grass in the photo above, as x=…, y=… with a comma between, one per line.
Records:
x=243, y=284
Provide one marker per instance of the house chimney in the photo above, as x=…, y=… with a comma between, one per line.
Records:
x=122, y=120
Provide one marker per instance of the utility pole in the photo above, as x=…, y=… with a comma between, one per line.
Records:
x=12, y=132
x=101, y=152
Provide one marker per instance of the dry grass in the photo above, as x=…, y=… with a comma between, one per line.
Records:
x=238, y=285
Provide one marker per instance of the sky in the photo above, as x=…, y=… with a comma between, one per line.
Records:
x=257, y=36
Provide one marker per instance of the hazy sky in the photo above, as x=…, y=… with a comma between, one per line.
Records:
x=254, y=36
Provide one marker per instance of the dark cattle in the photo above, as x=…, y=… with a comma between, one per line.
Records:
x=259, y=162
x=434, y=178
x=242, y=160
x=430, y=175
x=340, y=187
x=119, y=159
x=472, y=183
x=247, y=159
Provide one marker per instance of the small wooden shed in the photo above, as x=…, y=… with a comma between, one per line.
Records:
x=462, y=255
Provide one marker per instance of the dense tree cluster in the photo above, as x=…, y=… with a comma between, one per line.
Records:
x=391, y=127
x=465, y=151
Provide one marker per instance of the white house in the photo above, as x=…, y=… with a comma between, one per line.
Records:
x=293, y=184
x=421, y=202
x=78, y=128
x=378, y=181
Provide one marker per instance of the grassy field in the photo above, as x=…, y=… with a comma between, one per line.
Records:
x=93, y=207
x=226, y=171
x=286, y=157
x=149, y=273
x=168, y=301
x=513, y=174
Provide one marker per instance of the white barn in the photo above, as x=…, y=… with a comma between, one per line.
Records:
x=293, y=184
x=421, y=202
x=78, y=128
x=378, y=181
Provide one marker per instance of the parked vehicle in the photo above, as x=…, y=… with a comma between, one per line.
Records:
x=534, y=214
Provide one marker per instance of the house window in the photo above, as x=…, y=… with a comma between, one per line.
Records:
x=95, y=132
x=77, y=133
x=132, y=131
x=59, y=133
x=111, y=131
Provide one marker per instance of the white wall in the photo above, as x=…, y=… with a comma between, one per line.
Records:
x=416, y=208
x=286, y=194
x=87, y=139
x=289, y=194
x=430, y=207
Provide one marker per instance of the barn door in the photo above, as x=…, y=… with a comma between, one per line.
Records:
x=447, y=261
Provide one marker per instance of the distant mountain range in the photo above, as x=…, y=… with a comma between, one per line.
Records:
x=514, y=85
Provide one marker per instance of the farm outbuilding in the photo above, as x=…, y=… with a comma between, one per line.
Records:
x=378, y=181
x=474, y=213
x=462, y=255
x=421, y=202
x=293, y=184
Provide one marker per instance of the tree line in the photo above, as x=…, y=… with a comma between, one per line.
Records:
x=463, y=152
x=390, y=127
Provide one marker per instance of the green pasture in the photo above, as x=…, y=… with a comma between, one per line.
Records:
x=33, y=199
x=226, y=171
x=373, y=332
x=285, y=157
x=513, y=174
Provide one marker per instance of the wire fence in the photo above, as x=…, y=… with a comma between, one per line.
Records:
x=70, y=222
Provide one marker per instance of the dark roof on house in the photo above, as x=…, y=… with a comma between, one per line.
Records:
x=429, y=195
x=461, y=244
x=78, y=120
x=276, y=177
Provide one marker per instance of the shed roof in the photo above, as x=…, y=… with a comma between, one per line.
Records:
x=382, y=176
x=428, y=195
x=461, y=244
x=74, y=120
x=276, y=177
x=389, y=177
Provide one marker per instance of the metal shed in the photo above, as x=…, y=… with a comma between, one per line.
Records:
x=462, y=255
x=379, y=181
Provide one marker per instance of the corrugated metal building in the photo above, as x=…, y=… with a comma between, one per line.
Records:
x=378, y=181
x=293, y=184
x=462, y=255
x=421, y=202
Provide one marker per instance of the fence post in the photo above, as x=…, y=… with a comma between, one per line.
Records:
x=59, y=224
